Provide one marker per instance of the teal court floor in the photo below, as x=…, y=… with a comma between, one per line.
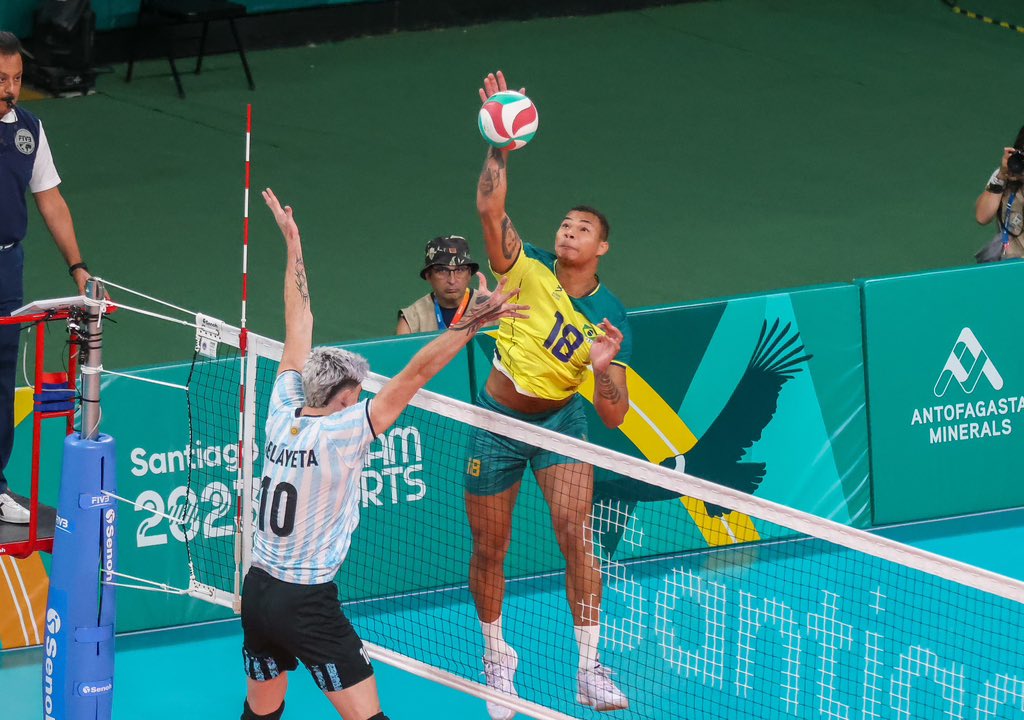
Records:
x=195, y=672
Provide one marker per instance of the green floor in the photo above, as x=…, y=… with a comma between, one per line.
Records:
x=736, y=146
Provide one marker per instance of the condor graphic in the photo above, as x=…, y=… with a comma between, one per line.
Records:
x=717, y=456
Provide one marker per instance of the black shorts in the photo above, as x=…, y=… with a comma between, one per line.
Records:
x=283, y=623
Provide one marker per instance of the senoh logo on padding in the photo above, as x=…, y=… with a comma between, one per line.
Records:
x=108, y=543
x=50, y=651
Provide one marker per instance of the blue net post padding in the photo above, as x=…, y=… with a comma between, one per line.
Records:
x=78, y=652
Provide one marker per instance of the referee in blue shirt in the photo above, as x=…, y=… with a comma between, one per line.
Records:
x=25, y=164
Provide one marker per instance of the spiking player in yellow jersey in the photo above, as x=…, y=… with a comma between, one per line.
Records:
x=576, y=325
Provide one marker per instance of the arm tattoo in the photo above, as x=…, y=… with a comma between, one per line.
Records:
x=489, y=179
x=300, y=281
x=485, y=313
x=510, y=240
x=492, y=175
x=499, y=159
x=607, y=389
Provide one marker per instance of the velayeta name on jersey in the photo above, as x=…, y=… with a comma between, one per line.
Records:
x=280, y=455
x=24, y=141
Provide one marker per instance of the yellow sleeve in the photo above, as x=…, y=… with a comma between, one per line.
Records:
x=517, y=271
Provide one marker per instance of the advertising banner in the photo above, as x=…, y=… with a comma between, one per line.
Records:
x=945, y=367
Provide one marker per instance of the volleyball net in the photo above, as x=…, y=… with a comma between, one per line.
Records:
x=814, y=619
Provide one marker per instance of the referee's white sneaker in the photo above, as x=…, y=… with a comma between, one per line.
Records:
x=11, y=511
x=597, y=690
x=499, y=677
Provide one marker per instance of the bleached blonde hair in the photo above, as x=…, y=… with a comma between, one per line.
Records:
x=329, y=370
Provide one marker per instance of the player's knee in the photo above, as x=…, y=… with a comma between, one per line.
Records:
x=569, y=533
x=490, y=549
x=248, y=714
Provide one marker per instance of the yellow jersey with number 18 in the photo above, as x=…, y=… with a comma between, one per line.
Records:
x=547, y=354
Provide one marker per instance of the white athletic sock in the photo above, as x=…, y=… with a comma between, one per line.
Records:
x=588, y=637
x=495, y=647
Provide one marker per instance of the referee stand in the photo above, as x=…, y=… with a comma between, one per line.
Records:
x=53, y=398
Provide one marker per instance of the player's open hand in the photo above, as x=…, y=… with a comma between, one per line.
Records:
x=489, y=308
x=495, y=83
x=483, y=292
x=605, y=347
x=283, y=215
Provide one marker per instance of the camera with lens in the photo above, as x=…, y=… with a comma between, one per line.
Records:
x=1015, y=163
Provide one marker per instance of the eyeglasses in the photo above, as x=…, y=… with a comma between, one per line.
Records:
x=460, y=271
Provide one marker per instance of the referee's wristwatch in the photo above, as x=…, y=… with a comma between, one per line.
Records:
x=995, y=188
x=77, y=266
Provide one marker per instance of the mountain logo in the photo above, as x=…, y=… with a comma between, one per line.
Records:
x=967, y=364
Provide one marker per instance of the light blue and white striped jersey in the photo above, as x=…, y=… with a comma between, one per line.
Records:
x=308, y=500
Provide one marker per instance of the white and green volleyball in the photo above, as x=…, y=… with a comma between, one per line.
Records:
x=508, y=120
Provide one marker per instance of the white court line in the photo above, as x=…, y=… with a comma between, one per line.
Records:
x=17, y=606
x=28, y=602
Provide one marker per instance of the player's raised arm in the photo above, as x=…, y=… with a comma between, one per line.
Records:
x=298, y=315
x=488, y=309
x=500, y=236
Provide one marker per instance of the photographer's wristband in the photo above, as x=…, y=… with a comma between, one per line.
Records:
x=995, y=188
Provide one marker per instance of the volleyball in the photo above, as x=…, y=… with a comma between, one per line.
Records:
x=508, y=120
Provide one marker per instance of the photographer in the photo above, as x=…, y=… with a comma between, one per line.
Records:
x=1003, y=200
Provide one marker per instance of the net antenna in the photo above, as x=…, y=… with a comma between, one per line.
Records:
x=243, y=518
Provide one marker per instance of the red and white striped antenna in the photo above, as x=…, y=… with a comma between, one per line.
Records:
x=245, y=223
x=243, y=345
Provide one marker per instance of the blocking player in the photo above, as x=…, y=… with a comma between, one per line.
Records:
x=575, y=325
x=318, y=432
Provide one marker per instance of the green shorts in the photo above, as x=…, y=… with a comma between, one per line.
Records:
x=496, y=462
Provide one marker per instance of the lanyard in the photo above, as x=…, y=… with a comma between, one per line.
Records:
x=1006, y=222
x=458, y=313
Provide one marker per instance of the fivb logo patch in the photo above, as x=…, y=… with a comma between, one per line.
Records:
x=967, y=364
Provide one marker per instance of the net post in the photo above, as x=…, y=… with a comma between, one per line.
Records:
x=93, y=362
x=78, y=650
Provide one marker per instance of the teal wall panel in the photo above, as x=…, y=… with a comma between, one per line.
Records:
x=945, y=363
x=16, y=16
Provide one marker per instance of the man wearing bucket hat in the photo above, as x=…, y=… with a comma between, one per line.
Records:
x=448, y=268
